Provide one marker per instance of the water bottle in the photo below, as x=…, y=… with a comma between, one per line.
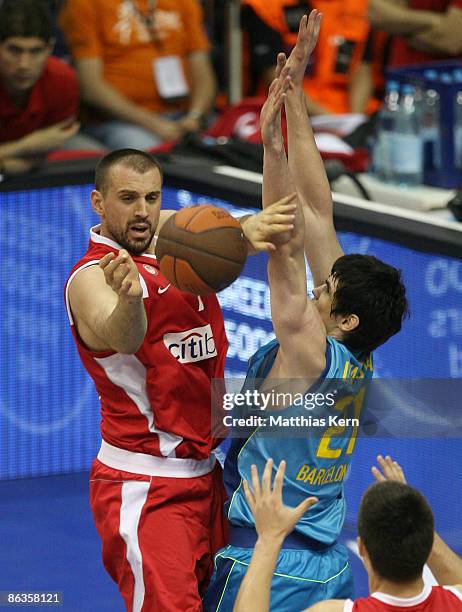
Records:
x=406, y=141
x=382, y=147
x=430, y=124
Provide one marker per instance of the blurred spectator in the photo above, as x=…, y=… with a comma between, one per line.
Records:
x=339, y=77
x=144, y=68
x=38, y=93
x=424, y=30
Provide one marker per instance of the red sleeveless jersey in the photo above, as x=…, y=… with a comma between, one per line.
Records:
x=158, y=401
x=432, y=599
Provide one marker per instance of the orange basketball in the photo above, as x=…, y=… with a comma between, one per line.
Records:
x=201, y=249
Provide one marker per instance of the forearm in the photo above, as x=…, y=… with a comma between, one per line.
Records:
x=255, y=590
x=361, y=88
x=203, y=90
x=104, y=97
x=445, y=565
x=397, y=19
x=126, y=326
x=305, y=163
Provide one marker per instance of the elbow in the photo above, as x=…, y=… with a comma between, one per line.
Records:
x=127, y=348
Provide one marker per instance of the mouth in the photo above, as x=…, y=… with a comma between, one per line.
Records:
x=140, y=231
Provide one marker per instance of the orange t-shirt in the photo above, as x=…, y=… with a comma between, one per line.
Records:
x=114, y=31
x=344, y=29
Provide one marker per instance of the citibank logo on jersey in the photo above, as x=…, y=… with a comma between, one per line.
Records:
x=191, y=345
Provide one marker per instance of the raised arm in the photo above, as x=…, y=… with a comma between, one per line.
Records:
x=107, y=305
x=305, y=165
x=444, y=563
x=273, y=521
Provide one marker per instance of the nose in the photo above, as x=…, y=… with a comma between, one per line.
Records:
x=141, y=210
x=25, y=60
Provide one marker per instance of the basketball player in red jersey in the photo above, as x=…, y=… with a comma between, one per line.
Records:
x=395, y=527
x=156, y=492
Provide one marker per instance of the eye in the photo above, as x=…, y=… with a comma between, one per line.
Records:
x=152, y=197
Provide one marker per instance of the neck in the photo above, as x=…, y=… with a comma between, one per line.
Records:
x=19, y=97
x=403, y=590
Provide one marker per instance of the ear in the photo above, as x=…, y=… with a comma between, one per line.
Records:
x=348, y=323
x=361, y=548
x=97, y=202
x=51, y=45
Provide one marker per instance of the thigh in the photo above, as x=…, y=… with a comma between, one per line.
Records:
x=121, y=135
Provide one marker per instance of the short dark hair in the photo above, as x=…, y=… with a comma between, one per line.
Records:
x=374, y=291
x=141, y=161
x=25, y=18
x=395, y=523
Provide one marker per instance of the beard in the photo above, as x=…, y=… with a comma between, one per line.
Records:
x=132, y=244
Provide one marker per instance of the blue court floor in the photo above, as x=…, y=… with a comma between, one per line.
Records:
x=48, y=543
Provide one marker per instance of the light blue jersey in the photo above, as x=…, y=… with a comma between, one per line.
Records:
x=311, y=566
x=317, y=463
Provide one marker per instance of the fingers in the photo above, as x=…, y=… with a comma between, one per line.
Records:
x=249, y=496
x=391, y=470
x=280, y=63
x=279, y=479
x=255, y=481
x=266, y=480
x=116, y=269
x=304, y=506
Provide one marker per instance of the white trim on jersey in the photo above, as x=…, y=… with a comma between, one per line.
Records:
x=128, y=373
x=149, y=465
x=93, y=262
x=454, y=591
x=404, y=602
x=348, y=605
x=134, y=496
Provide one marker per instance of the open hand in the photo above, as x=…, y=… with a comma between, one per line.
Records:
x=270, y=115
x=307, y=37
x=262, y=229
x=391, y=470
x=272, y=518
x=121, y=274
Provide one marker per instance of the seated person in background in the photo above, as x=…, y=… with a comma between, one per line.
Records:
x=395, y=527
x=143, y=66
x=338, y=78
x=424, y=30
x=38, y=93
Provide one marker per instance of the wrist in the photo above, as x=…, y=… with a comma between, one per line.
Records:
x=270, y=542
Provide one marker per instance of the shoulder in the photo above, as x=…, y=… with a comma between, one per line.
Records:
x=57, y=71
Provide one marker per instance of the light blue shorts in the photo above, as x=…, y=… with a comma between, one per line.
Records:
x=301, y=579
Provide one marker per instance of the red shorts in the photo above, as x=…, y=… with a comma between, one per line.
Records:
x=159, y=535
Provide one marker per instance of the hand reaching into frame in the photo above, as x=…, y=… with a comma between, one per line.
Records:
x=307, y=38
x=263, y=229
x=270, y=115
x=273, y=519
x=391, y=470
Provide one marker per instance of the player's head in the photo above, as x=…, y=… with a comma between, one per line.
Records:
x=395, y=528
x=127, y=197
x=26, y=41
x=363, y=302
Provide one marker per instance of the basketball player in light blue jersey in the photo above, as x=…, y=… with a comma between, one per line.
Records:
x=359, y=302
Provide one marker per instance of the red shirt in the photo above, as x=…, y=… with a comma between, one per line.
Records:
x=158, y=401
x=54, y=97
x=401, y=53
x=432, y=599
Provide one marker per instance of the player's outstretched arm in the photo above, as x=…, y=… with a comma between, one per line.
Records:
x=273, y=521
x=107, y=305
x=445, y=565
x=305, y=165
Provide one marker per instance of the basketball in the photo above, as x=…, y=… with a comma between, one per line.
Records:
x=201, y=249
